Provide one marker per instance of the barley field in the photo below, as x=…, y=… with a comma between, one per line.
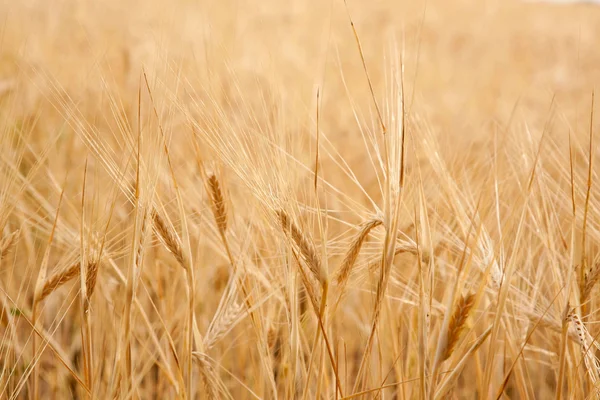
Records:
x=244, y=199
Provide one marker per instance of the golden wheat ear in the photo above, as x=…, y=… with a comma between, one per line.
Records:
x=208, y=375
x=305, y=247
x=7, y=243
x=57, y=280
x=218, y=203
x=354, y=250
x=169, y=239
x=60, y=278
x=458, y=322
x=91, y=277
x=591, y=280
x=343, y=274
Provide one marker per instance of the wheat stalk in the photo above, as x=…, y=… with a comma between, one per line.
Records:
x=450, y=380
x=309, y=254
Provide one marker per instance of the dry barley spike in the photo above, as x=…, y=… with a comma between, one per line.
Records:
x=307, y=250
x=64, y=276
x=170, y=240
x=354, y=250
x=590, y=282
x=218, y=203
x=458, y=322
x=57, y=280
x=586, y=341
x=208, y=376
x=7, y=242
x=92, y=275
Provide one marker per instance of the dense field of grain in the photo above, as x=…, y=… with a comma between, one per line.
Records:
x=244, y=199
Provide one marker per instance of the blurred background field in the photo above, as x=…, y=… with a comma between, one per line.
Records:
x=469, y=62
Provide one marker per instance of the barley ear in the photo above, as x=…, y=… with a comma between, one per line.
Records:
x=169, y=239
x=349, y=260
x=91, y=278
x=207, y=375
x=57, y=280
x=590, y=282
x=458, y=322
x=305, y=247
x=218, y=203
x=7, y=242
x=354, y=250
